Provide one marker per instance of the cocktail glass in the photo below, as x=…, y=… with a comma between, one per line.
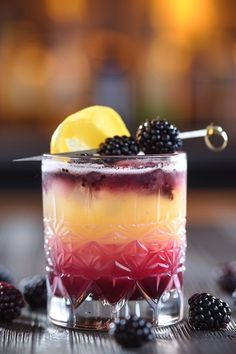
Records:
x=114, y=238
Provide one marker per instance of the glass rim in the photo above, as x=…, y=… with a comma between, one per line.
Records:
x=74, y=157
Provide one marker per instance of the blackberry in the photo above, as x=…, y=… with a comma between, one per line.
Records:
x=131, y=332
x=226, y=276
x=206, y=312
x=35, y=291
x=11, y=302
x=158, y=137
x=119, y=145
x=5, y=275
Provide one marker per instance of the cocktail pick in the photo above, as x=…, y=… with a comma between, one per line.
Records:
x=65, y=154
x=207, y=133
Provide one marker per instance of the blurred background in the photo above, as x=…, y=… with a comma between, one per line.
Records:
x=176, y=59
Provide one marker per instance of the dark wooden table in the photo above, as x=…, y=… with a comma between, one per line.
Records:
x=207, y=246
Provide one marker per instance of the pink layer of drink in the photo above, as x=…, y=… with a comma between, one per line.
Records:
x=113, y=272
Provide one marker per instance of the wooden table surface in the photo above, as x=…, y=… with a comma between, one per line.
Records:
x=208, y=245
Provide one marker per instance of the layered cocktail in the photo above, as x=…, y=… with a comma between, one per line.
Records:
x=114, y=237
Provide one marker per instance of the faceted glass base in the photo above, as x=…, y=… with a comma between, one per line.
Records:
x=97, y=315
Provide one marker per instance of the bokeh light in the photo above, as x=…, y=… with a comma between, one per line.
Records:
x=65, y=10
x=175, y=59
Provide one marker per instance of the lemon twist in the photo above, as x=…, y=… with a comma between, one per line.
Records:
x=86, y=129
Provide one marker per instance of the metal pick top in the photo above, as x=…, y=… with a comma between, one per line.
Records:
x=216, y=130
x=207, y=134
